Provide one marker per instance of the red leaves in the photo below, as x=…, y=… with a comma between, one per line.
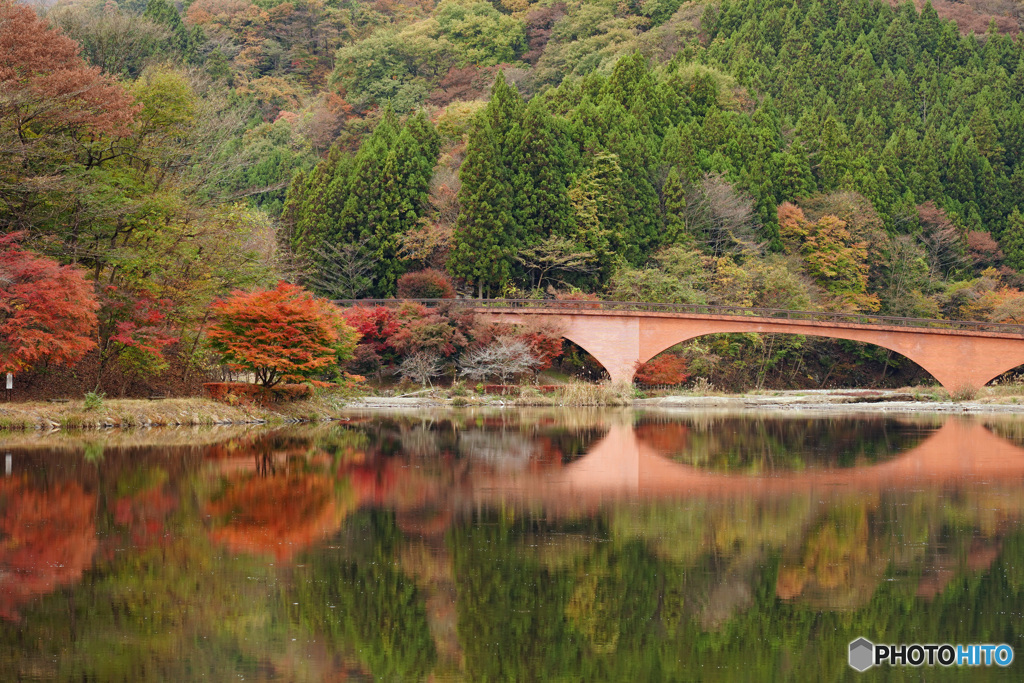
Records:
x=281, y=334
x=374, y=324
x=136, y=321
x=46, y=86
x=667, y=369
x=47, y=311
x=545, y=347
x=425, y=284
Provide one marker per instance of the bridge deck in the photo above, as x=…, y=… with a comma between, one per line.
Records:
x=714, y=312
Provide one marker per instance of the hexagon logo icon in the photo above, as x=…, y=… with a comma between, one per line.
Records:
x=862, y=654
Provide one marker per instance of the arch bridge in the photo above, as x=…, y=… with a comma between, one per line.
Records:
x=619, y=334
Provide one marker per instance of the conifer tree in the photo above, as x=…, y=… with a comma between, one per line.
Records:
x=1012, y=241
x=541, y=203
x=674, y=202
x=484, y=242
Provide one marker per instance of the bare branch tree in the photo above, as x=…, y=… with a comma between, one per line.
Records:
x=505, y=357
x=721, y=217
x=422, y=367
x=557, y=254
x=341, y=272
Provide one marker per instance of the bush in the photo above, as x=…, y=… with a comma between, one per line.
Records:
x=94, y=400
x=292, y=392
x=425, y=284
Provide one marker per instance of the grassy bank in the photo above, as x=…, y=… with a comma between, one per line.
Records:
x=131, y=413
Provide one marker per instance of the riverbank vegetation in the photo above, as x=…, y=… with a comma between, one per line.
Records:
x=823, y=155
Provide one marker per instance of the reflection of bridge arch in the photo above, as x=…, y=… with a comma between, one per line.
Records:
x=622, y=466
x=620, y=339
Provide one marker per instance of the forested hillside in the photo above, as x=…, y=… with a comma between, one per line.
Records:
x=848, y=155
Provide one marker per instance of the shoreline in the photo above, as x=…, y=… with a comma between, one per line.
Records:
x=194, y=412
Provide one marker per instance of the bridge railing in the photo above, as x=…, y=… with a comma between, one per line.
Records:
x=698, y=309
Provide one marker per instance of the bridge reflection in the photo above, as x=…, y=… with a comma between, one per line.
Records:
x=622, y=466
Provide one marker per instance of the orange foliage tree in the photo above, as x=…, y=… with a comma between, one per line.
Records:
x=279, y=515
x=834, y=256
x=281, y=334
x=47, y=311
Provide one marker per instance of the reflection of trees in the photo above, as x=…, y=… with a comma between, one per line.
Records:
x=735, y=443
x=840, y=562
x=767, y=588
x=366, y=606
x=47, y=539
x=503, y=450
x=279, y=514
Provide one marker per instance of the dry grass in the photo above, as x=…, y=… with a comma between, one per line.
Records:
x=130, y=413
x=579, y=394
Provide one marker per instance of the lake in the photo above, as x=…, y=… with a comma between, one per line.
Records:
x=519, y=545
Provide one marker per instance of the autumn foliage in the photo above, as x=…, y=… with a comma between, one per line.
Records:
x=47, y=311
x=278, y=515
x=545, y=345
x=425, y=284
x=280, y=334
x=666, y=369
x=47, y=539
x=48, y=91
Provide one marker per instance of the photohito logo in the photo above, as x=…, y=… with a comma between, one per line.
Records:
x=864, y=654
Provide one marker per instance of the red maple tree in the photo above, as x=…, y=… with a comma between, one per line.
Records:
x=46, y=88
x=47, y=311
x=375, y=324
x=282, y=334
x=545, y=345
x=668, y=369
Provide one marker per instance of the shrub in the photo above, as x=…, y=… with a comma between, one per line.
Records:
x=94, y=400
x=503, y=358
x=292, y=392
x=233, y=392
x=425, y=284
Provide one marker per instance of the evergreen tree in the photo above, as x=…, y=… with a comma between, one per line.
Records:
x=541, y=203
x=1012, y=240
x=485, y=241
x=674, y=202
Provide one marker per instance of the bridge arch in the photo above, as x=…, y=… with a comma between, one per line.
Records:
x=619, y=339
x=898, y=351
x=955, y=359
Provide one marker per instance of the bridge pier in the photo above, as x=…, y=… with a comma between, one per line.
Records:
x=613, y=341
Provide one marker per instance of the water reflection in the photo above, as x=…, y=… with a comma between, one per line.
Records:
x=521, y=546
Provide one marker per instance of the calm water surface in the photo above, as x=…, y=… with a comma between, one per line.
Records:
x=565, y=545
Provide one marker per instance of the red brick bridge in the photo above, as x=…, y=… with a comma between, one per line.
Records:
x=959, y=354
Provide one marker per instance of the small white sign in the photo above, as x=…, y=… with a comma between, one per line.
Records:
x=10, y=381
